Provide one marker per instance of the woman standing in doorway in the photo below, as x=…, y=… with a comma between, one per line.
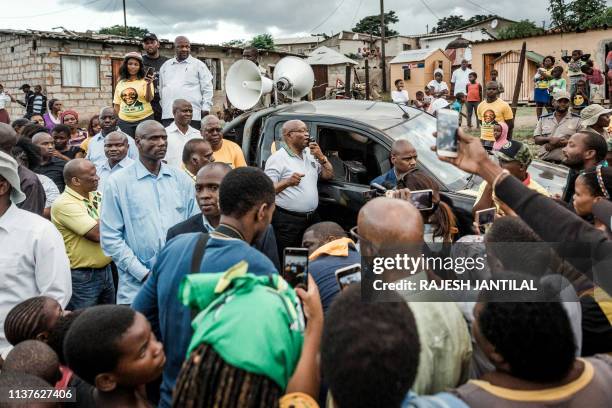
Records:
x=133, y=94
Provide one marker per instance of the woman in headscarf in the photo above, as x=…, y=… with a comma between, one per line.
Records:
x=500, y=131
x=70, y=118
x=440, y=88
x=133, y=94
x=52, y=116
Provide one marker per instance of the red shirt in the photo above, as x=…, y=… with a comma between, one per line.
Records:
x=473, y=92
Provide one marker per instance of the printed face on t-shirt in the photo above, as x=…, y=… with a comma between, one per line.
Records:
x=489, y=116
x=129, y=96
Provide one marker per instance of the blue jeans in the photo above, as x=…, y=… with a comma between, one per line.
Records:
x=91, y=287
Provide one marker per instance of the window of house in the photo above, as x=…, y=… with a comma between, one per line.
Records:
x=407, y=47
x=214, y=66
x=80, y=71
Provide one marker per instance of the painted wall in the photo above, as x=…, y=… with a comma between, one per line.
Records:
x=419, y=77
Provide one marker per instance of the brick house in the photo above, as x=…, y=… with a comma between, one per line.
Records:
x=81, y=69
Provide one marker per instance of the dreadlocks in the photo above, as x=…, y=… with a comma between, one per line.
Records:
x=206, y=380
x=27, y=320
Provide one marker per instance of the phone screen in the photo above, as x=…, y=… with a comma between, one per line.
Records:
x=150, y=71
x=485, y=217
x=295, y=266
x=422, y=199
x=347, y=275
x=446, y=139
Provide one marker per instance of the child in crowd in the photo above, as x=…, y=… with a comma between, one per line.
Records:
x=31, y=319
x=474, y=96
x=574, y=68
x=580, y=97
x=440, y=88
x=429, y=95
x=487, y=132
x=36, y=358
x=113, y=348
x=500, y=132
x=419, y=102
x=400, y=95
x=500, y=87
x=457, y=105
x=541, y=93
x=557, y=83
x=63, y=151
x=595, y=82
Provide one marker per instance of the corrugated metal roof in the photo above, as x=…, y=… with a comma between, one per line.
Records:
x=413, y=55
x=326, y=56
x=299, y=40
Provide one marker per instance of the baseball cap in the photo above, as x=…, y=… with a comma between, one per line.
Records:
x=602, y=210
x=149, y=36
x=514, y=150
x=591, y=114
x=237, y=305
x=8, y=170
x=561, y=94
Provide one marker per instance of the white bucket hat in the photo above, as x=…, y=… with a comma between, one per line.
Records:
x=8, y=170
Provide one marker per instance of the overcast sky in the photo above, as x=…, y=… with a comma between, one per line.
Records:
x=216, y=21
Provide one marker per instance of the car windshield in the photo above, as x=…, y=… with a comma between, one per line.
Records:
x=419, y=131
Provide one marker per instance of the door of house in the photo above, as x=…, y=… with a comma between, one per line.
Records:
x=488, y=66
x=115, y=65
x=320, y=83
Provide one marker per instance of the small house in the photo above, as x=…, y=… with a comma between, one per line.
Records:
x=416, y=68
x=507, y=67
x=329, y=68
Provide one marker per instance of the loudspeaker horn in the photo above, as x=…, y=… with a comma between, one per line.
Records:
x=293, y=77
x=245, y=85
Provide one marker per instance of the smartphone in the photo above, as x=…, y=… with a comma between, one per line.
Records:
x=446, y=139
x=150, y=72
x=422, y=199
x=295, y=266
x=485, y=217
x=347, y=275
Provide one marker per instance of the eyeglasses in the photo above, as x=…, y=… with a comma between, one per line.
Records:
x=213, y=130
x=298, y=131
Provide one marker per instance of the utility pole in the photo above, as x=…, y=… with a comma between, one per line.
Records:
x=382, y=45
x=124, y=20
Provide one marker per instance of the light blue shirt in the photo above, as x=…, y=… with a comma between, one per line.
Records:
x=95, y=150
x=138, y=208
x=105, y=170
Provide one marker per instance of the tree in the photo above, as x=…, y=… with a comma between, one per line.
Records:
x=132, y=31
x=477, y=19
x=523, y=28
x=601, y=20
x=585, y=10
x=371, y=24
x=263, y=42
x=449, y=23
x=236, y=43
x=577, y=14
x=559, y=13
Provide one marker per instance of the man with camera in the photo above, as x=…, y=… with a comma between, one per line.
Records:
x=295, y=169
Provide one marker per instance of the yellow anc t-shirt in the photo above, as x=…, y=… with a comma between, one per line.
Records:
x=231, y=154
x=130, y=96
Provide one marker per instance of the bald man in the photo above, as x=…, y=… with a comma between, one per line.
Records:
x=49, y=166
x=180, y=132
x=140, y=204
x=76, y=215
x=295, y=169
x=403, y=159
x=95, y=149
x=185, y=77
x=388, y=227
x=29, y=183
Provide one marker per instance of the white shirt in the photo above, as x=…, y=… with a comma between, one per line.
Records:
x=189, y=79
x=33, y=262
x=438, y=103
x=400, y=96
x=176, y=143
x=437, y=86
x=51, y=190
x=4, y=100
x=460, y=79
x=304, y=197
x=95, y=150
x=105, y=170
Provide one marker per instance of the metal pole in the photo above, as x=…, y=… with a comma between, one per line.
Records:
x=347, y=81
x=382, y=45
x=367, y=79
x=124, y=20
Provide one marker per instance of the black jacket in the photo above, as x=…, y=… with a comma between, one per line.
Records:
x=266, y=244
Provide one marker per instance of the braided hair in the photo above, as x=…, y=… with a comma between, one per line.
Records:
x=206, y=380
x=27, y=320
x=598, y=181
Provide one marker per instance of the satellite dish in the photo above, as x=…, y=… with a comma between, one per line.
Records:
x=494, y=23
x=245, y=85
x=293, y=77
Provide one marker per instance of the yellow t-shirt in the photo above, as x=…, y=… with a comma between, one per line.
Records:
x=231, y=154
x=85, y=143
x=73, y=219
x=487, y=132
x=502, y=109
x=130, y=96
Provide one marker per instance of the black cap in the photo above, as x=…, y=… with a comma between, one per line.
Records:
x=24, y=86
x=149, y=36
x=602, y=210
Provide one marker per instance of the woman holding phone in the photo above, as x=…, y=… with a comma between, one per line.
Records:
x=133, y=93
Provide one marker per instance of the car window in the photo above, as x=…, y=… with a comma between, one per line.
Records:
x=419, y=131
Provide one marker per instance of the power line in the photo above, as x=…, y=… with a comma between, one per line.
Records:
x=480, y=7
x=328, y=17
x=48, y=13
x=430, y=10
x=356, y=12
x=151, y=13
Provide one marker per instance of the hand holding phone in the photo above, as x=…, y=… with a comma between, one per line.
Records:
x=485, y=217
x=295, y=267
x=150, y=74
x=446, y=138
x=422, y=199
x=347, y=275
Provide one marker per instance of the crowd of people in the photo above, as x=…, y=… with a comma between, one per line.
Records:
x=142, y=261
